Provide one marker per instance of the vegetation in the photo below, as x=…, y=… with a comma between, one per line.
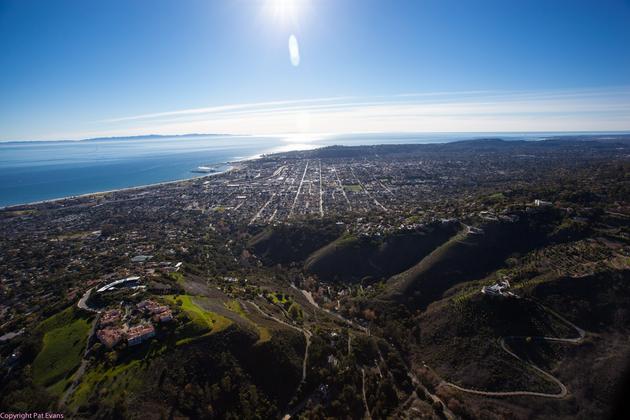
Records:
x=283, y=244
x=352, y=188
x=205, y=322
x=65, y=336
x=263, y=332
x=178, y=277
x=352, y=258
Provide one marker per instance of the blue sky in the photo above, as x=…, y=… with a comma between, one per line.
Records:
x=76, y=69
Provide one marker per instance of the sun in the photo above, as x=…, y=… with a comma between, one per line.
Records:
x=285, y=11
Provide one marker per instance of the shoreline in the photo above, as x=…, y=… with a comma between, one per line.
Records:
x=232, y=165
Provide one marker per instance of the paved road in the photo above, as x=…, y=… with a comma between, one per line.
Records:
x=297, y=194
x=343, y=191
x=82, y=303
x=321, y=192
x=367, y=192
x=257, y=215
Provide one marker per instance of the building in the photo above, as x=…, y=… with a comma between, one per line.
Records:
x=498, y=289
x=109, y=336
x=141, y=258
x=128, y=282
x=164, y=316
x=140, y=333
x=541, y=203
x=161, y=313
x=109, y=317
x=472, y=230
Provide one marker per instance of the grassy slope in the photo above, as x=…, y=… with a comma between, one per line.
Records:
x=462, y=258
x=124, y=377
x=283, y=244
x=65, y=336
x=263, y=332
x=402, y=283
x=206, y=322
x=152, y=380
x=351, y=258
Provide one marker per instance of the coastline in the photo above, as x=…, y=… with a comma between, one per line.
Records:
x=232, y=165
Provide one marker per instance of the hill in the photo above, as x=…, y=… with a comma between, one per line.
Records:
x=460, y=340
x=468, y=256
x=283, y=244
x=351, y=257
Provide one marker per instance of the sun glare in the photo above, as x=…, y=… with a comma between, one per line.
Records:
x=285, y=11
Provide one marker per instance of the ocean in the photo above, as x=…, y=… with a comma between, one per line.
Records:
x=37, y=171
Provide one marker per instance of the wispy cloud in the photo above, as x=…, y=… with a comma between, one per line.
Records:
x=220, y=109
x=550, y=110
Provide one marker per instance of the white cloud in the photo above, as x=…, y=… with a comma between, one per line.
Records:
x=484, y=111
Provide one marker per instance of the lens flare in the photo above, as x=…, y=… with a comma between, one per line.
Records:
x=294, y=51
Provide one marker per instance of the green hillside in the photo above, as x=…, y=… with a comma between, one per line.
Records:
x=351, y=257
x=284, y=244
x=65, y=336
x=464, y=257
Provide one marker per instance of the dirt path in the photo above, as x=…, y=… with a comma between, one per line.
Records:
x=434, y=398
x=307, y=336
x=309, y=298
x=76, y=377
x=365, y=404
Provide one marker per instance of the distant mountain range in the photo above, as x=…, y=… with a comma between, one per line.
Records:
x=142, y=137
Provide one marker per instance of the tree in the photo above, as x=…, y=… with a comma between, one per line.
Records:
x=295, y=311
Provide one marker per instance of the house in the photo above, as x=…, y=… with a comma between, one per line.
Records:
x=471, y=230
x=498, y=289
x=140, y=333
x=109, y=317
x=161, y=313
x=164, y=316
x=541, y=203
x=109, y=336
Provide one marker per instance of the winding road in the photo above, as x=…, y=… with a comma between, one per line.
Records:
x=82, y=303
x=562, y=393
